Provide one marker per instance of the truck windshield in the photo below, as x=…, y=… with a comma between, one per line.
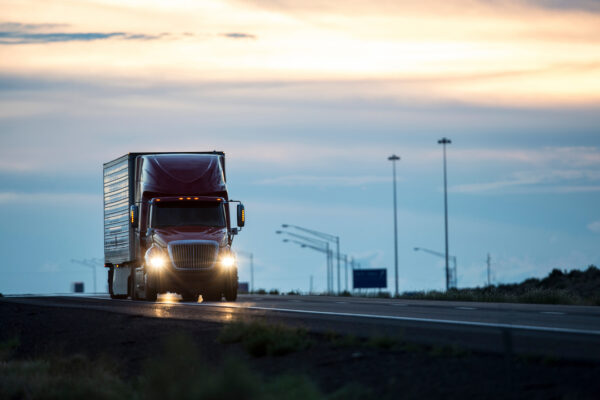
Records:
x=187, y=214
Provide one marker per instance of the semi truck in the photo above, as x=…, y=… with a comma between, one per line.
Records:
x=167, y=226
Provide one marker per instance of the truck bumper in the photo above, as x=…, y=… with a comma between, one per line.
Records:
x=171, y=280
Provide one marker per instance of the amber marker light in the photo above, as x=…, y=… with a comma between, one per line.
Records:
x=189, y=198
x=181, y=198
x=195, y=198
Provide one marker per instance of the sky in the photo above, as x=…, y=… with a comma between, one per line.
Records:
x=308, y=99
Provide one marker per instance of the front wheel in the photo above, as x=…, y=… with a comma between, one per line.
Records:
x=150, y=289
x=231, y=286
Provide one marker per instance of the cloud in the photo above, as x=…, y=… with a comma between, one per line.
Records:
x=238, y=35
x=594, y=226
x=45, y=198
x=12, y=33
x=543, y=181
x=310, y=180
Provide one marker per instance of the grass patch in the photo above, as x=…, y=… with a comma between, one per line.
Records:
x=338, y=340
x=383, y=342
x=178, y=372
x=260, y=339
x=448, y=351
x=8, y=347
x=72, y=377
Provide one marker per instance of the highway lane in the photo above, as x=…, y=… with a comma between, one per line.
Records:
x=549, y=330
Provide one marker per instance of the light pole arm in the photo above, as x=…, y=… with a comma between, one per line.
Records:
x=305, y=238
x=322, y=235
x=436, y=253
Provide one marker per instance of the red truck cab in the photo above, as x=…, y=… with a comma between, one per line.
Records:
x=179, y=235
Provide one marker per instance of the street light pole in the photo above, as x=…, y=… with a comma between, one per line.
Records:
x=393, y=158
x=320, y=243
x=327, y=237
x=444, y=141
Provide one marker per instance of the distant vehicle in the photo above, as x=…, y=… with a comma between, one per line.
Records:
x=167, y=226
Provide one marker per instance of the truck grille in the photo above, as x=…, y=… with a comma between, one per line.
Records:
x=193, y=254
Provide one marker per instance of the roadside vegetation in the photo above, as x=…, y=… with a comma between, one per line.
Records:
x=179, y=372
x=261, y=339
x=575, y=287
x=559, y=287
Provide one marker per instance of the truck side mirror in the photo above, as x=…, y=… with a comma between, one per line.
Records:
x=241, y=215
x=133, y=215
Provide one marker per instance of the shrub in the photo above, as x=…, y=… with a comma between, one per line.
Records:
x=260, y=339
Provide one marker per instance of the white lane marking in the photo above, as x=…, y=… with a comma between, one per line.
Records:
x=296, y=301
x=413, y=319
x=466, y=308
x=341, y=302
x=398, y=304
x=552, y=312
x=391, y=317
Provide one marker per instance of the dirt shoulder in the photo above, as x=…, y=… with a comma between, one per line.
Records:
x=382, y=366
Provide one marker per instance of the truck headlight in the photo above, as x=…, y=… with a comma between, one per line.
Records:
x=227, y=261
x=155, y=258
x=157, y=261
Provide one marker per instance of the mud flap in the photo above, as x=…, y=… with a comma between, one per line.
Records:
x=120, y=280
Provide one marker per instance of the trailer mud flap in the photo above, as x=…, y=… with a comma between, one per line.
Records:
x=120, y=280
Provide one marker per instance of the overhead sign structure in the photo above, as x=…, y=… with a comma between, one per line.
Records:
x=369, y=278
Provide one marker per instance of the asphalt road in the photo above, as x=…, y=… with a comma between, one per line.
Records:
x=549, y=330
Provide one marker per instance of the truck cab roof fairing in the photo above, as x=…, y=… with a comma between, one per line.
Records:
x=165, y=174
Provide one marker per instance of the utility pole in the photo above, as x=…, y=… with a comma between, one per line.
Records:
x=91, y=263
x=393, y=158
x=444, y=142
x=489, y=261
x=346, y=269
x=310, y=290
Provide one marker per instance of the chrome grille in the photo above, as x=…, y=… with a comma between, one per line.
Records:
x=193, y=254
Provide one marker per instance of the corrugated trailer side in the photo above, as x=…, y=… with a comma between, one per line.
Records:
x=118, y=234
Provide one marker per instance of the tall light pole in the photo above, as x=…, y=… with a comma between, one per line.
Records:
x=393, y=158
x=444, y=141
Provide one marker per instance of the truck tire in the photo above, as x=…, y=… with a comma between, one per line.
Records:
x=150, y=293
x=231, y=286
x=212, y=294
x=189, y=296
x=231, y=289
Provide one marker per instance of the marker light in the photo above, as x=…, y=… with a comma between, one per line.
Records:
x=189, y=198
x=227, y=261
x=181, y=198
